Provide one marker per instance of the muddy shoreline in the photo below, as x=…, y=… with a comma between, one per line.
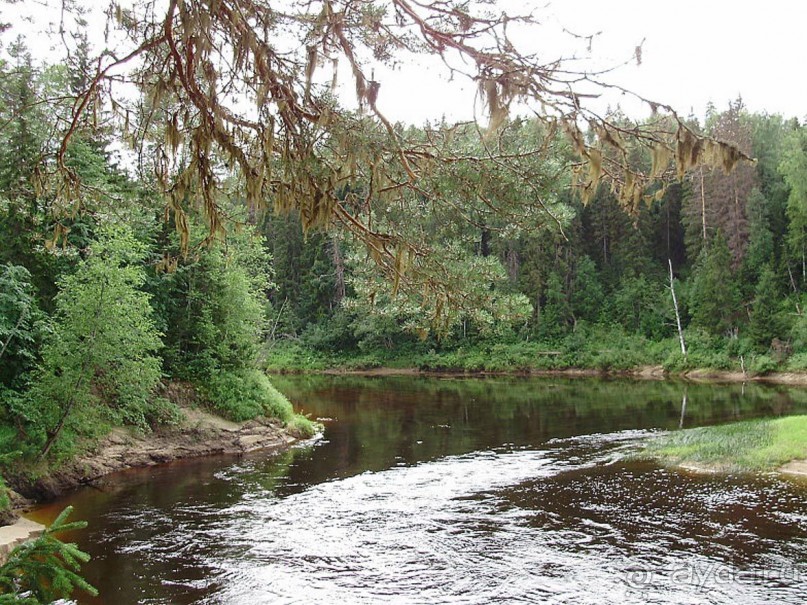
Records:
x=641, y=373
x=201, y=434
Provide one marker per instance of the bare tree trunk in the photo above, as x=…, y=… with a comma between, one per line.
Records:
x=677, y=314
x=795, y=289
x=703, y=208
x=484, y=242
x=277, y=321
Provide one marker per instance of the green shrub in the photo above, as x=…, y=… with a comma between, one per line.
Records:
x=676, y=362
x=762, y=364
x=101, y=360
x=245, y=394
x=797, y=362
x=161, y=411
x=302, y=427
x=285, y=356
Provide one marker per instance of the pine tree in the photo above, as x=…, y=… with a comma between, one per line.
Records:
x=794, y=170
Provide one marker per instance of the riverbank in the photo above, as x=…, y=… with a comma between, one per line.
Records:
x=17, y=533
x=776, y=444
x=639, y=373
x=199, y=434
x=609, y=355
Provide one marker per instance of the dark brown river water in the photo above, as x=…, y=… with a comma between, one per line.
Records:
x=472, y=491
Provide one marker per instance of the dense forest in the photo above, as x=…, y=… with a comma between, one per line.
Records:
x=92, y=321
x=592, y=290
x=105, y=300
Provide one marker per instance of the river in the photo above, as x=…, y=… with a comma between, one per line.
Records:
x=461, y=491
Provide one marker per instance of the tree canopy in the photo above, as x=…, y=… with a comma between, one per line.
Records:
x=239, y=95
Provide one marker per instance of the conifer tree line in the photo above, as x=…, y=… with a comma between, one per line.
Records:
x=735, y=242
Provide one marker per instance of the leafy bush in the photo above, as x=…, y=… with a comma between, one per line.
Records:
x=6, y=513
x=763, y=364
x=101, y=358
x=676, y=361
x=287, y=356
x=797, y=362
x=245, y=394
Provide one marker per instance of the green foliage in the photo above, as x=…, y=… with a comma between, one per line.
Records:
x=292, y=356
x=765, y=324
x=704, y=351
x=798, y=329
x=46, y=569
x=100, y=359
x=642, y=306
x=302, y=427
x=22, y=324
x=606, y=348
x=797, y=362
x=245, y=394
x=762, y=364
x=587, y=296
x=484, y=303
x=794, y=170
x=556, y=314
x=305, y=277
x=6, y=513
x=713, y=297
x=19, y=136
x=214, y=309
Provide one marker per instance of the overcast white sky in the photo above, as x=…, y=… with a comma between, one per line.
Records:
x=695, y=52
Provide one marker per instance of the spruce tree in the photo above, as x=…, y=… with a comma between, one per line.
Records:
x=46, y=569
x=714, y=300
x=765, y=324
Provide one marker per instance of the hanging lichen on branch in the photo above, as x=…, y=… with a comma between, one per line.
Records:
x=239, y=89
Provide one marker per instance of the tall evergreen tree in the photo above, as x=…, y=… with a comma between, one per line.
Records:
x=765, y=324
x=713, y=297
x=794, y=170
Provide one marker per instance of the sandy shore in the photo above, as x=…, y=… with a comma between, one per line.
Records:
x=643, y=372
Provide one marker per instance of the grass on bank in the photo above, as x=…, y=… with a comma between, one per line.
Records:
x=246, y=394
x=602, y=348
x=752, y=445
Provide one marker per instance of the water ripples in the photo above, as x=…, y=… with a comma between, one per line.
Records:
x=526, y=526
